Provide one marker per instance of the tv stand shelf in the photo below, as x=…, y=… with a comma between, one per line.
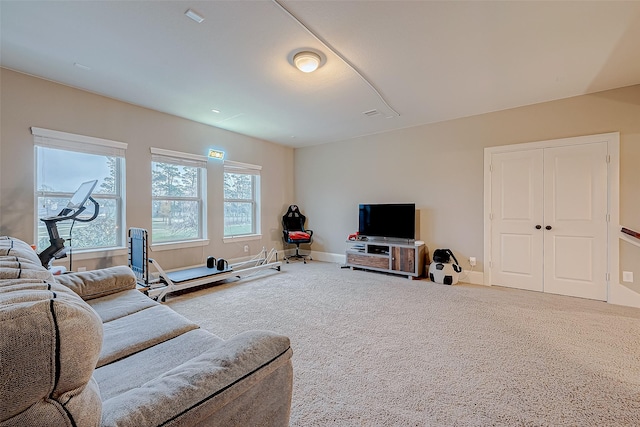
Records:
x=398, y=258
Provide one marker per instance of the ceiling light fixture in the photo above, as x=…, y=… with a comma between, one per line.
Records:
x=333, y=50
x=194, y=15
x=213, y=110
x=306, y=61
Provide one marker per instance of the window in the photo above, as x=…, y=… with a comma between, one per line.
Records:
x=178, y=184
x=241, y=199
x=63, y=162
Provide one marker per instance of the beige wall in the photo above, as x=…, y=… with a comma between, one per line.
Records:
x=440, y=168
x=437, y=166
x=27, y=101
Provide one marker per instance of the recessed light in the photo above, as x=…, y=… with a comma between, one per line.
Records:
x=213, y=110
x=194, y=15
x=82, y=67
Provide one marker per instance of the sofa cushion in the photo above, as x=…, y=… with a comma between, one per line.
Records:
x=121, y=304
x=27, y=285
x=134, y=371
x=19, y=260
x=24, y=273
x=97, y=283
x=10, y=246
x=138, y=331
x=51, y=340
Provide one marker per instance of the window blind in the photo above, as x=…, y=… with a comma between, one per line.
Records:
x=161, y=155
x=238, y=167
x=80, y=143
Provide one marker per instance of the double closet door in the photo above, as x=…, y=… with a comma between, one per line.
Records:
x=549, y=220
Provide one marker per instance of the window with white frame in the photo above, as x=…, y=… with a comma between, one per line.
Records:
x=178, y=190
x=241, y=199
x=63, y=162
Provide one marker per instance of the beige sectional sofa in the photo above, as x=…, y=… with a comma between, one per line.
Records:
x=88, y=349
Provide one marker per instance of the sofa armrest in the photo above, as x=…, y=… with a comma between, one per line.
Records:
x=98, y=283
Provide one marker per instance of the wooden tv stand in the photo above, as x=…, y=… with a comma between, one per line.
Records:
x=407, y=259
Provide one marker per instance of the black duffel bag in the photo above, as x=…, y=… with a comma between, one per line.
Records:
x=444, y=256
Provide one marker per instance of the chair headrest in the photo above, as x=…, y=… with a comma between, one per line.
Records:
x=293, y=211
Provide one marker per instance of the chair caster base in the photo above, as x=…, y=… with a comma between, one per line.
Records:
x=304, y=258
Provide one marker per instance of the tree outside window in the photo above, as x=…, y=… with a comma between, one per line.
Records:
x=241, y=196
x=177, y=202
x=59, y=173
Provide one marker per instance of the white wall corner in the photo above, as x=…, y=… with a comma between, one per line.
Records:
x=621, y=295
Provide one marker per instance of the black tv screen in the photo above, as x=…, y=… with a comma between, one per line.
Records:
x=396, y=221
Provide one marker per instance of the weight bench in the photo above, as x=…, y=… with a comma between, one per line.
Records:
x=170, y=281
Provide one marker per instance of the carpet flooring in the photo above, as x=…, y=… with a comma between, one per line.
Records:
x=372, y=349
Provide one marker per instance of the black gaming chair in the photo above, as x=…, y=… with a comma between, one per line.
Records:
x=294, y=232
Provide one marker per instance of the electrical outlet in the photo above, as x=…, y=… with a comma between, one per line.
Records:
x=627, y=276
x=82, y=269
x=246, y=248
x=472, y=261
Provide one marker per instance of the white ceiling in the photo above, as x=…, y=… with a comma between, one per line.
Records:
x=430, y=61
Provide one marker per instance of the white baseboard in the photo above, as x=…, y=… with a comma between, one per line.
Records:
x=318, y=256
x=328, y=257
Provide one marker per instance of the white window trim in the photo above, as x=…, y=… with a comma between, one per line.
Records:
x=161, y=155
x=90, y=145
x=231, y=166
x=242, y=238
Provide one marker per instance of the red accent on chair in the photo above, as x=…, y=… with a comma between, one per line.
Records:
x=299, y=235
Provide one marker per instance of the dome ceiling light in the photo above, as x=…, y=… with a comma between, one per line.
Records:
x=306, y=61
x=279, y=3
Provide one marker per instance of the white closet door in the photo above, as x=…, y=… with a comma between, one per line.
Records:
x=575, y=225
x=517, y=209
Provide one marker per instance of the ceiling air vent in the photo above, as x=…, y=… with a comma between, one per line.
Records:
x=371, y=113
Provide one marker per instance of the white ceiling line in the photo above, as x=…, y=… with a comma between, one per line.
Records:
x=339, y=55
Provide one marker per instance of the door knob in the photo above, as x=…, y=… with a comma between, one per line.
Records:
x=538, y=227
x=548, y=227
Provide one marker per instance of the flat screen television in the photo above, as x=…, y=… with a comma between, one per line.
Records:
x=393, y=221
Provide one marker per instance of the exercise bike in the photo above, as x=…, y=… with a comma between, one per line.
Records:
x=72, y=211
